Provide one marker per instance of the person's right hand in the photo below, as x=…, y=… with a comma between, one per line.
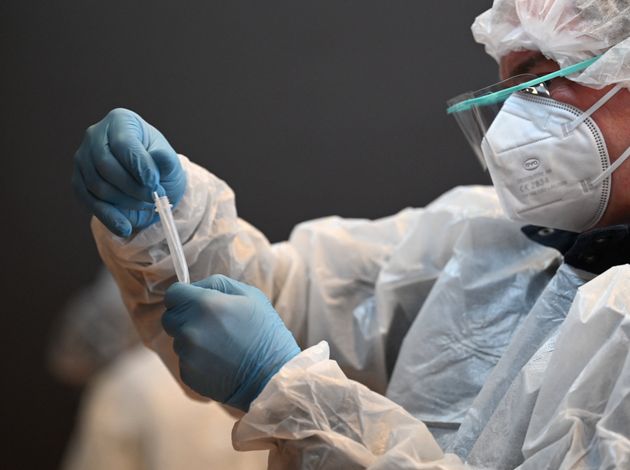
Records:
x=229, y=338
x=120, y=163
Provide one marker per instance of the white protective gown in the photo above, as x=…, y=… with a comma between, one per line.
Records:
x=484, y=334
x=133, y=416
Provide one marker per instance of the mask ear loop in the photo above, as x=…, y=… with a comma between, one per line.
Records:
x=569, y=127
x=624, y=156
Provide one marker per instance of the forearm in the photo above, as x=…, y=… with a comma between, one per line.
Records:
x=311, y=416
x=215, y=241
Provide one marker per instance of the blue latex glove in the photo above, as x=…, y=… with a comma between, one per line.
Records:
x=229, y=339
x=120, y=163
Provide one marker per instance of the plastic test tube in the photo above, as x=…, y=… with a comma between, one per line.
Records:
x=163, y=208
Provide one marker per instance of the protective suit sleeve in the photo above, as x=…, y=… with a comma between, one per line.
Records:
x=310, y=415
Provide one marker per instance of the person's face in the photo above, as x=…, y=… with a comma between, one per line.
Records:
x=613, y=120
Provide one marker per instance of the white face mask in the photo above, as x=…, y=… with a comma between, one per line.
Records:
x=549, y=162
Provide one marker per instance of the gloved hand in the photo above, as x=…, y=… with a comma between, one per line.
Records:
x=229, y=339
x=120, y=163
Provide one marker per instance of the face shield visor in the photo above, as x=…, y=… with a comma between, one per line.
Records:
x=475, y=111
x=548, y=160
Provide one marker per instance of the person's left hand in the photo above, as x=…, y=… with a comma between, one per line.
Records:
x=122, y=160
x=229, y=339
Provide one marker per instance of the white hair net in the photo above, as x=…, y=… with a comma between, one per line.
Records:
x=567, y=31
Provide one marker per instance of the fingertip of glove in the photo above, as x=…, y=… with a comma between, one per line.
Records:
x=173, y=289
x=150, y=178
x=123, y=229
x=115, y=222
x=176, y=293
x=219, y=283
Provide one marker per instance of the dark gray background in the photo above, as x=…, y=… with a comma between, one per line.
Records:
x=307, y=108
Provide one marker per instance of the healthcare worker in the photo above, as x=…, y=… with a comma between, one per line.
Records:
x=490, y=328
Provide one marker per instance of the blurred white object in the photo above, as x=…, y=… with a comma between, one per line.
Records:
x=93, y=329
x=134, y=416
x=567, y=31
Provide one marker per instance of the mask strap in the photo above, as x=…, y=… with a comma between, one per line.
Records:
x=571, y=126
x=624, y=156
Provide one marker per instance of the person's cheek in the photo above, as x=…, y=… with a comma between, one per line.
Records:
x=566, y=91
x=577, y=95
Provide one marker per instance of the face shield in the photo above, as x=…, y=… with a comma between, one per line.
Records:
x=548, y=160
x=475, y=111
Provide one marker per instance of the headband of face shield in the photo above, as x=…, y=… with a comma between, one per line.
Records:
x=548, y=160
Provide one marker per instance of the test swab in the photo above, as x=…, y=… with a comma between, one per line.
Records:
x=163, y=208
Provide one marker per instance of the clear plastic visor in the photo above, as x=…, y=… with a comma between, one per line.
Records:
x=476, y=110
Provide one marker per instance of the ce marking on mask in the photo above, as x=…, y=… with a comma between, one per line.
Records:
x=535, y=183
